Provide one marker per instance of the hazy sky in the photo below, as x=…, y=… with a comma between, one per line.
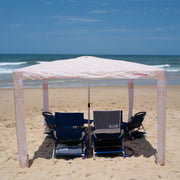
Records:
x=90, y=26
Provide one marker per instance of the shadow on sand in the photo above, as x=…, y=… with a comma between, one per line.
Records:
x=140, y=146
x=45, y=150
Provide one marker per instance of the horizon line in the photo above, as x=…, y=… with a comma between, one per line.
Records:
x=90, y=54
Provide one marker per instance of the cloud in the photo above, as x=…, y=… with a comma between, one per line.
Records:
x=47, y=1
x=98, y=12
x=157, y=29
x=73, y=1
x=137, y=0
x=128, y=30
x=32, y=34
x=15, y=25
x=75, y=19
x=100, y=3
x=118, y=30
x=163, y=37
x=85, y=31
x=80, y=31
x=106, y=4
x=83, y=19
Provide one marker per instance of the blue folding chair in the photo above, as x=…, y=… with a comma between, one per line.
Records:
x=50, y=123
x=108, y=133
x=135, y=129
x=70, y=135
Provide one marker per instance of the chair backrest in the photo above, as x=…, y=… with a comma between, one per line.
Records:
x=69, y=119
x=107, y=121
x=69, y=134
x=49, y=118
x=136, y=120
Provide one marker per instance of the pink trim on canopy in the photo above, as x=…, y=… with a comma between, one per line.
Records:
x=88, y=67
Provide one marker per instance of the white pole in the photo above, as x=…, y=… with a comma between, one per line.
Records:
x=45, y=95
x=131, y=97
x=161, y=118
x=20, y=121
x=45, y=100
x=89, y=106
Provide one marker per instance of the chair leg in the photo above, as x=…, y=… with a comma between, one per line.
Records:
x=123, y=149
x=131, y=136
x=94, y=154
x=144, y=129
x=53, y=154
x=44, y=127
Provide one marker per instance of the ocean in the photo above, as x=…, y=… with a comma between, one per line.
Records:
x=10, y=62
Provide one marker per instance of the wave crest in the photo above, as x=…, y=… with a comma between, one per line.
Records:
x=162, y=65
x=11, y=63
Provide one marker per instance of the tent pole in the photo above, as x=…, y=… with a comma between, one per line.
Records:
x=20, y=120
x=45, y=101
x=131, y=97
x=161, y=117
x=45, y=95
x=89, y=106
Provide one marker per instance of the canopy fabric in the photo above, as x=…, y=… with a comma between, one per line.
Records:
x=88, y=67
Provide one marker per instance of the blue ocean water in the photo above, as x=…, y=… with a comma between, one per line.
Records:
x=10, y=62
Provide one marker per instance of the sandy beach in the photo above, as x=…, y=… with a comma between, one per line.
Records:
x=140, y=166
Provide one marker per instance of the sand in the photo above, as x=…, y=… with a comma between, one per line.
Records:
x=140, y=166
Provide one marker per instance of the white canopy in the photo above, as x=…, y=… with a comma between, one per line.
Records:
x=87, y=67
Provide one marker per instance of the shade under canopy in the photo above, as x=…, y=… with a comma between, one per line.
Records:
x=87, y=67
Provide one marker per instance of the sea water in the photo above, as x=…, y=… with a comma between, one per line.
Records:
x=10, y=62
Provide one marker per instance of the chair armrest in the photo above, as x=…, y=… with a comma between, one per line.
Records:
x=86, y=121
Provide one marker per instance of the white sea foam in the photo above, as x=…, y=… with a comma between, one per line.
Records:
x=11, y=63
x=6, y=71
x=40, y=62
x=173, y=70
x=162, y=65
x=168, y=68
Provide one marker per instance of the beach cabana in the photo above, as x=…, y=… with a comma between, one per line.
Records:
x=87, y=67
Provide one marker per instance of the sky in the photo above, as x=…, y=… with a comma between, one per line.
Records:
x=148, y=27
